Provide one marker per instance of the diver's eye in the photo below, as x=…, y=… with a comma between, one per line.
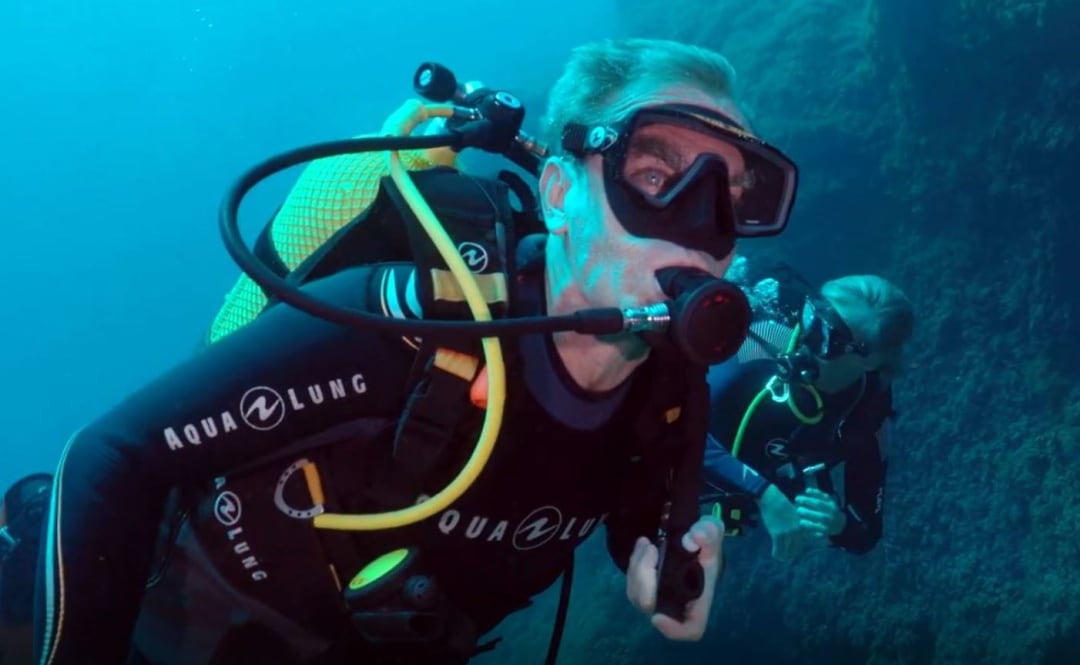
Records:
x=650, y=173
x=651, y=176
x=651, y=181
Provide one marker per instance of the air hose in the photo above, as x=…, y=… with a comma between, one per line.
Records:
x=490, y=120
x=785, y=396
x=493, y=359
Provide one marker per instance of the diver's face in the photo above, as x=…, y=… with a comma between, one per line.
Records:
x=842, y=369
x=612, y=267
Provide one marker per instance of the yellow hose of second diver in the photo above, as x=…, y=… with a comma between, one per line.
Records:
x=492, y=349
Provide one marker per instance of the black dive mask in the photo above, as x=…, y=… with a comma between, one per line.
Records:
x=655, y=194
x=824, y=333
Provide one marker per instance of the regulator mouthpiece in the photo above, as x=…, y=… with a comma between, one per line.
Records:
x=709, y=316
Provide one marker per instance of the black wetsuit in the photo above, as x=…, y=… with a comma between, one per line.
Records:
x=247, y=560
x=776, y=446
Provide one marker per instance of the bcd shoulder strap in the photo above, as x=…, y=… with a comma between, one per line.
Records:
x=475, y=213
x=478, y=217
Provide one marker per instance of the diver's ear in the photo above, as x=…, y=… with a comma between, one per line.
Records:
x=554, y=183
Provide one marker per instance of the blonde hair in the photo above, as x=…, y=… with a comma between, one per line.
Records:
x=878, y=313
x=600, y=74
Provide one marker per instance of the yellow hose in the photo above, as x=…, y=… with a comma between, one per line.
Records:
x=492, y=349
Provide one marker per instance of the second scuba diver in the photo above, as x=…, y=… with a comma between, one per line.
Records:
x=801, y=417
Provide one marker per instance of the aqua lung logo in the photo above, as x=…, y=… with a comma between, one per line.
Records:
x=227, y=511
x=474, y=255
x=540, y=527
x=262, y=408
x=227, y=508
x=601, y=138
x=777, y=449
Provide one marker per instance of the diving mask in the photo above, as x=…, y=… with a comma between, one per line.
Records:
x=824, y=333
x=738, y=186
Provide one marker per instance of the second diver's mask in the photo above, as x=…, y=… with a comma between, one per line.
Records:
x=824, y=333
x=655, y=194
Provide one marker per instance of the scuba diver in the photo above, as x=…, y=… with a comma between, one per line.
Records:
x=364, y=476
x=801, y=416
x=22, y=515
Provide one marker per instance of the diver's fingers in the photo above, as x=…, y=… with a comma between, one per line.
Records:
x=707, y=534
x=807, y=514
x=822, y=503
x=817, y=528
x=641, y=575
x=673, y=630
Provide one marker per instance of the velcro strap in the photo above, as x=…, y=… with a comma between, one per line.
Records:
x=436, y=406
x=445, y=287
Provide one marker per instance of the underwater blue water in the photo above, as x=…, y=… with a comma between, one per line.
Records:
x=122, y=125
x=936, y=141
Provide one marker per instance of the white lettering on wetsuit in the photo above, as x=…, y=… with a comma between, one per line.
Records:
x=228, y=510
x=243, y=550
x=262, y=408
x=538, y=528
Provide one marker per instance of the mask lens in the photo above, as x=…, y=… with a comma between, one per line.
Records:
x=815, y=332
x=764, y=199
x=826, y=334
x=662, y=159
x=665, y=152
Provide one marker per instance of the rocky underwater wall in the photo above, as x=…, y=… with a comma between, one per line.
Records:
x=938, y=147
x=938, y=142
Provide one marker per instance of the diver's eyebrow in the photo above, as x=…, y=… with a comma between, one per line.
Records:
x=658, y=147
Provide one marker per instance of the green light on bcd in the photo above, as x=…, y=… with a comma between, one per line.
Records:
x=378, y=568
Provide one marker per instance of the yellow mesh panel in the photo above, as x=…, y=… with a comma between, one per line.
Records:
x=328, y=194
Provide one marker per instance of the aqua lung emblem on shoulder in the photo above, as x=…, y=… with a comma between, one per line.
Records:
x=262, y=408
x=474, y=255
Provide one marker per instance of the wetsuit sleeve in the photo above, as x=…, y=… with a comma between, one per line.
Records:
x=864, y=492
x=637, y=514
x=724, y=472
x=229, y=404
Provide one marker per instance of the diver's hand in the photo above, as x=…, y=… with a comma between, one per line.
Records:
x=790, y=539
x=706, y=536
x=820, y=513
